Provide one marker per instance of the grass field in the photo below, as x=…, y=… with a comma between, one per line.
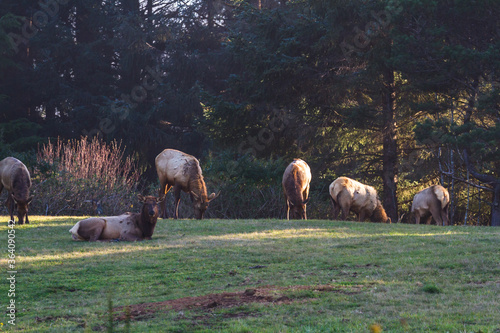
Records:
x=255, y=276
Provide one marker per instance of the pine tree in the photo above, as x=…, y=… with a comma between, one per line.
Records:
x=451, y=52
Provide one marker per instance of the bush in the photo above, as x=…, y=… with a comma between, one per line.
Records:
x=81, y=177
x=250, y=187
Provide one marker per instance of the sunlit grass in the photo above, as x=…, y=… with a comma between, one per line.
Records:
x=319, y=233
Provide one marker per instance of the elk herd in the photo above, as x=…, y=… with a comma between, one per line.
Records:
x=182, y=172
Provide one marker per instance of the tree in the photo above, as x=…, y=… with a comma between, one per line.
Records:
x=314, y=62
x=7, y=22
x=451, y=52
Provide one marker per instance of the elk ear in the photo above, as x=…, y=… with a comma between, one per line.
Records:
x=195, y=195
x=158, y=200
x=305, y=201
x=213, y=196
x=141, y=198
x=29, y=199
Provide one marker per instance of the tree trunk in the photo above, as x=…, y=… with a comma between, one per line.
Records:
x=390, y=151
x=210, y=14
x=149, y=9
x=495, y=208
x=452, y=171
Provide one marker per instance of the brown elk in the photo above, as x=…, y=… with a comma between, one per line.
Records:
x=15, y=178
x=349, y=195
x=125, y=227
x=182, y=172
x=432, y=202
x=296, y=180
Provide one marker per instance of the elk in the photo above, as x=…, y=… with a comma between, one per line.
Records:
x=296, y=180
x=432, y=202
x=349, y=195
x=15, y=178
x=182, y=172
x=125, y=227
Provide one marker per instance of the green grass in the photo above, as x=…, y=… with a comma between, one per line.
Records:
x=404, y=278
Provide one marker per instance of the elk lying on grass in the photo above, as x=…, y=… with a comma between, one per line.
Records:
x=125, y=227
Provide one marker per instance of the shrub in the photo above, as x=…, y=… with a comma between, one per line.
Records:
x=84, y=177
x=250, y=187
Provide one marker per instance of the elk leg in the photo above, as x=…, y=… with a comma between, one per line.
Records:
x=344, y=205
x=10, y=206
x=287, y=210
x=130, y=238
x=91, y=229
x=417, y=217
x=335, y=209
x=361, y=215
x=436, y=214
x=345, y=212
x=164, y=188
x=305, y=194
x=444, y=216
x=177, y=199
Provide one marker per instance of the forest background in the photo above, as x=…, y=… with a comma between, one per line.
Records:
x=398, y=94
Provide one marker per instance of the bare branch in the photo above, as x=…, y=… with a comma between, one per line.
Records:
x=467, y=182
x=487, y=179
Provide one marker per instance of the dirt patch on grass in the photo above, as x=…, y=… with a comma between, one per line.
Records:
x=265, y=294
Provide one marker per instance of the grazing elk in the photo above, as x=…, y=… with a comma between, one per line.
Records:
x=125, y=227
x=15, y=178
x=296, y=179
x=432, y=202
x=349, y=195
x=182, y=172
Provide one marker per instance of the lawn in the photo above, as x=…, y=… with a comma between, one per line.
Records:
x=255, y=276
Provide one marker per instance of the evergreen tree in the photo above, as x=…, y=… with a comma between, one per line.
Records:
x=328, y=65
x=451, y=51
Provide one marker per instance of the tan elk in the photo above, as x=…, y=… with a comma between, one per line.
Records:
x=125, y=227
x=349, y=195
x=182, y=172
x=296, y=180
x=15, y=178
x=431, y=202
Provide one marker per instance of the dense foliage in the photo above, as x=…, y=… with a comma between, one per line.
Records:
x=399, y=94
